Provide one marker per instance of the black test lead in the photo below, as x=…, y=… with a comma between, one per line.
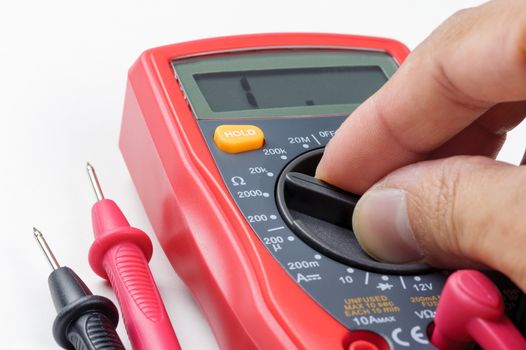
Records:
x=84, y=321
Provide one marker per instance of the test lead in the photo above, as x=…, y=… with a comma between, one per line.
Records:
x=94, y=180
x=84, y=321
x=123, y=252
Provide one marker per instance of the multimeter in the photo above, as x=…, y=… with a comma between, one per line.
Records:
x=222, y=137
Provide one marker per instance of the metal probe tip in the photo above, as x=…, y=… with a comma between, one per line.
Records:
x=94, y=181
x=45, y=249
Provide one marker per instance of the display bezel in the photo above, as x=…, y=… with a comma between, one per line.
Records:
x=185, y=69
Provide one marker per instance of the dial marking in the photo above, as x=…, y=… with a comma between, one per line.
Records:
x=315, y=139
x=403, y=283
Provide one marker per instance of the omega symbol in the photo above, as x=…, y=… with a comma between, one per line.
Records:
x=238, y=181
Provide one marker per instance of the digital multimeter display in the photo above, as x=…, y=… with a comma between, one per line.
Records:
x=275, y=88
x=282, y=83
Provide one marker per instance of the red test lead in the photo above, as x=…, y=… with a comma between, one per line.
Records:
x=120, y=254
x=471, y=310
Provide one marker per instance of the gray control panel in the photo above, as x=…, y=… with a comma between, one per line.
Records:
x=399, y=307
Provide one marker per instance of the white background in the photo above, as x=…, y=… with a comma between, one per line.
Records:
x=63, y=68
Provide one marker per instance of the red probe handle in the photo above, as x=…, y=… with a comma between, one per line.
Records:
x=120, y=254
x=498, y=335
x=471, y=309
x=144, y=315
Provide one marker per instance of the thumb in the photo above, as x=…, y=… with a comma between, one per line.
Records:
x=455, y=212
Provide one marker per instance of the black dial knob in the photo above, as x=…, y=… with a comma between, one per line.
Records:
x=320, y=214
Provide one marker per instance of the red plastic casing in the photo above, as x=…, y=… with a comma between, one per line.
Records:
x=248, y=298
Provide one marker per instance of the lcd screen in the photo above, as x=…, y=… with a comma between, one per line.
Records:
x=292, y=87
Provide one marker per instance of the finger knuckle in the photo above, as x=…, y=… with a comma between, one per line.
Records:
x=461, y=14
x=475, y=210
x=446, y=184
x=487, y=214
x=457, y=24
x=452, y=187
x=434, y=202
x=509, y=227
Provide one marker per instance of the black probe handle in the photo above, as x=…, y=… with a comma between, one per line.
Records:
x=84, y=321
x=94, y=331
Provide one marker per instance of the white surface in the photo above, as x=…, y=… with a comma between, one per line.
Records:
x=63, y=71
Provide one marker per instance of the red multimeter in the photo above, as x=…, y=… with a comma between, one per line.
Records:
x=222, y=138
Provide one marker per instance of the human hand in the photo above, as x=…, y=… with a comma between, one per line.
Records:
x=441, y=120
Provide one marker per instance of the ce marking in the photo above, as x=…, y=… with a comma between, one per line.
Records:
x=416, y=335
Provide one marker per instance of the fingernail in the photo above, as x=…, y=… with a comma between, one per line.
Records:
x=382, y=227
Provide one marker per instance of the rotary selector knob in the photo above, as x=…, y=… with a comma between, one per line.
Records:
x=321, y=215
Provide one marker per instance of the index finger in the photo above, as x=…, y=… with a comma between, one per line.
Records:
x=475, y=60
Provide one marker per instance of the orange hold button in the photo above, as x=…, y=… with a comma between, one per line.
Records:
x=238, y=138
